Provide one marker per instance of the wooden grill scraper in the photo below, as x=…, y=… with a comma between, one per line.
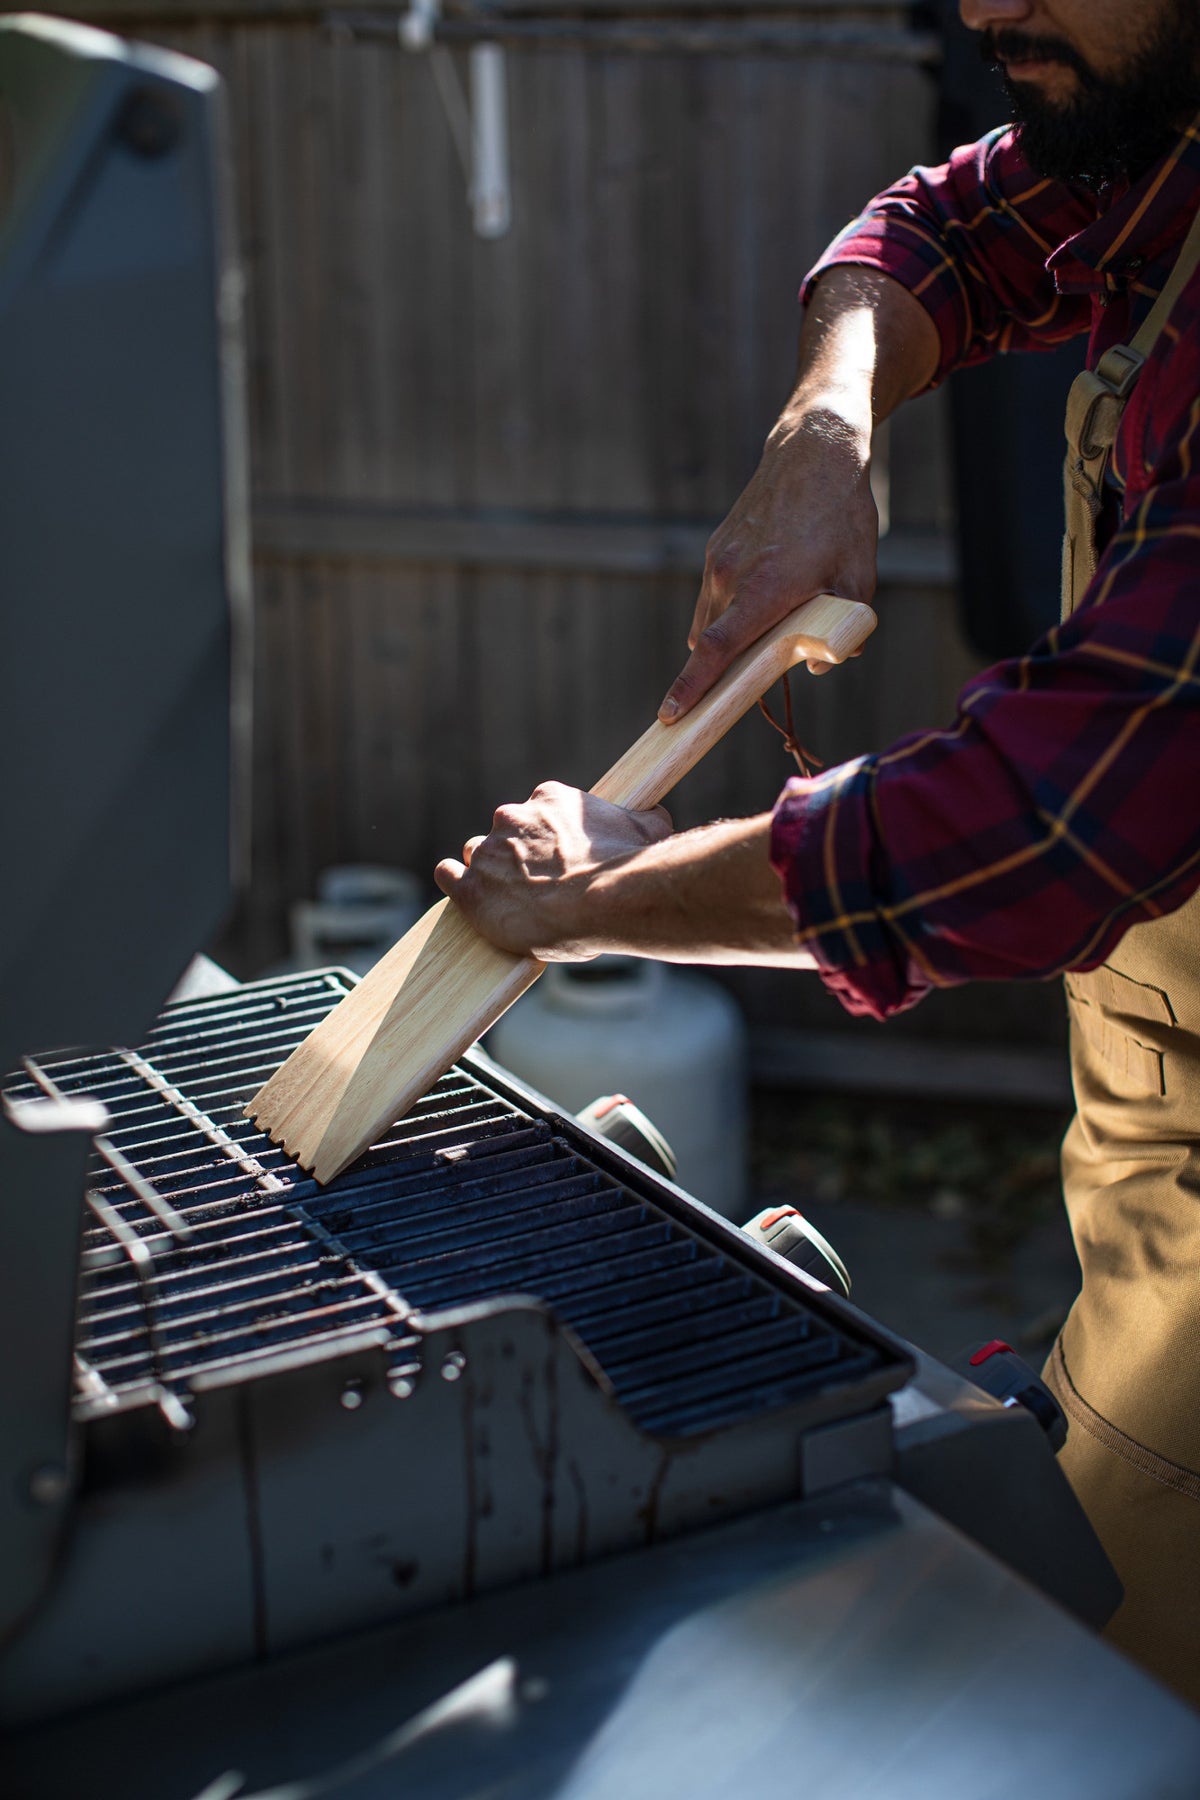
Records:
x=443, y=985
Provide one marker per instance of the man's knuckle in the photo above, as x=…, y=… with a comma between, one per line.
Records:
x=768, y=578
x=719, y=638
x=722, y=565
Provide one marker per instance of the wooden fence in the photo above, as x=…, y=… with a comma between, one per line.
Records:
x=484, y=471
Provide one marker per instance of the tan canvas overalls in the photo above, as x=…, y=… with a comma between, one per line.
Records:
x=1127, y=1364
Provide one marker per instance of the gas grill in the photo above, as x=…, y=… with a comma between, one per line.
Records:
x=655, y=1371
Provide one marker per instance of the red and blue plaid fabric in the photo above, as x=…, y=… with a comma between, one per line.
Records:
x=1063, y=804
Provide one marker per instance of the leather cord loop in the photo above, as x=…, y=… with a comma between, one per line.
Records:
x=806, y=762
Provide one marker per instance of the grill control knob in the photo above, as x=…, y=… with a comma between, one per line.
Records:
x=791, y=1235
x=622, y=1123
x=999, y=1371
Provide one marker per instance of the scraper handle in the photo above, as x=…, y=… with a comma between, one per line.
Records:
x=827, y=628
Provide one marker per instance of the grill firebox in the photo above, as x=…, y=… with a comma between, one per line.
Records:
x=493, y=1348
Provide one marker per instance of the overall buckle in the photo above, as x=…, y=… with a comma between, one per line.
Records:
x=1119, y=369
x=1097, y=400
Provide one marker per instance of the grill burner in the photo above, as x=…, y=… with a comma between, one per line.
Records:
x=208, y=1248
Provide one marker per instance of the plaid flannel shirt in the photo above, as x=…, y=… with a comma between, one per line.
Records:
x=1061, y=806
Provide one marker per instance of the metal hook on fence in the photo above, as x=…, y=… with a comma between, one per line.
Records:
x=478, y=125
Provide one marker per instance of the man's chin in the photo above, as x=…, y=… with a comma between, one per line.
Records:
x=1037, y=86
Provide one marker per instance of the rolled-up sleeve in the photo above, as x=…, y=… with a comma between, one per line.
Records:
x=970, y=240
x=1057, y=810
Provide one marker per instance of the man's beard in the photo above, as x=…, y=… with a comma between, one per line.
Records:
x=1113, y=126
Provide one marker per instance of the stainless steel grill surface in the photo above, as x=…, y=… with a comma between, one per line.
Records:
x=207, y=1248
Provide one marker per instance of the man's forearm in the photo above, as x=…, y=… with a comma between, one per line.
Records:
x=703, y=896
x=865, y=346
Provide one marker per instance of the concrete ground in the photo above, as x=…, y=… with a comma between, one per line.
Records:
x=949, y=1217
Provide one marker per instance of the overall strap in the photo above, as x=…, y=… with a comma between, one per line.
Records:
x=1094, y=407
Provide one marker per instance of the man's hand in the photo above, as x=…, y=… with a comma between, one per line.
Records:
x=530, y=885
x=567, y=876
x=807, y=522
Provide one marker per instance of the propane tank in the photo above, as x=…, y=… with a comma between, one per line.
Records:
x=360, y=911
x=673, y=1042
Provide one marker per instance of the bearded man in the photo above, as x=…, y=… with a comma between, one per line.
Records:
x=1054, y=827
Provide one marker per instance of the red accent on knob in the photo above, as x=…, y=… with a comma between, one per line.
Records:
x=992, y=1349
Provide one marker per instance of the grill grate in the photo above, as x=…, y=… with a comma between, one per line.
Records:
x=207, y=1248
